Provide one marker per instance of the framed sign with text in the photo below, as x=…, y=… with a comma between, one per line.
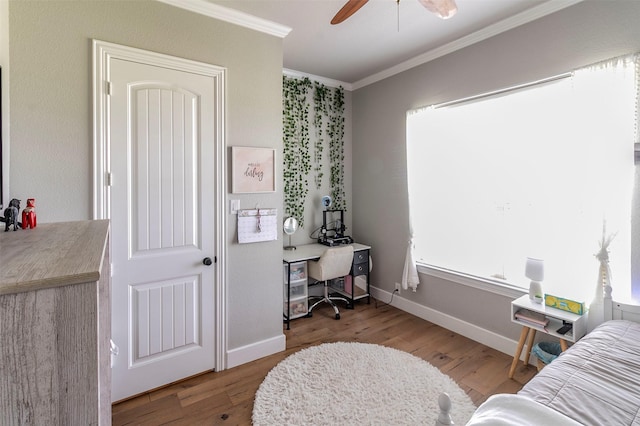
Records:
x=253, y=169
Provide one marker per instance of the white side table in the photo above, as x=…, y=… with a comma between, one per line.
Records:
x=557, y=318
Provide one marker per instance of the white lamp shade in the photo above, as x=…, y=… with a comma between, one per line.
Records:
x=534, y=269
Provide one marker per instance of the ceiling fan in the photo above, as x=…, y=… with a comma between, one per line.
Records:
x=442, y=8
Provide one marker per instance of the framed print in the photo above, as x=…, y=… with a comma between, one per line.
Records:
x=253, y=169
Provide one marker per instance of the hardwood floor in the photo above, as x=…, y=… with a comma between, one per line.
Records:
x=226, y=397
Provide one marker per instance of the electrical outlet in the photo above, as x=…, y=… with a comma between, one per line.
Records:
x=398, y=287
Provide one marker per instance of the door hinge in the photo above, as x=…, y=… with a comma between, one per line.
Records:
x=108, y=179
x=107, y=87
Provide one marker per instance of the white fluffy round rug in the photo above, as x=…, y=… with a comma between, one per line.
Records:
x=355, y=384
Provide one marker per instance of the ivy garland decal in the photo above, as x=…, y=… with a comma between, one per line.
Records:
x=336, y=149
x=321, y=109
x=296, y=158
x=328, y=105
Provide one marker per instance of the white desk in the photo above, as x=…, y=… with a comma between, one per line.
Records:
x=313, y=251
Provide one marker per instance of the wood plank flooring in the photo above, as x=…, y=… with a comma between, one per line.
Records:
x=226, y=397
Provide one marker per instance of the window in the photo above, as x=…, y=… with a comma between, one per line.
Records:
x=533, y=172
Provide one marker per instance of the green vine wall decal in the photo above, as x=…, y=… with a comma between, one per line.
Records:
x=328, y=128
x=336, y=149
x=296, y=158
x=321, y=109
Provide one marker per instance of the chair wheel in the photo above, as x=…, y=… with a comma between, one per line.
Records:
x=337, y=316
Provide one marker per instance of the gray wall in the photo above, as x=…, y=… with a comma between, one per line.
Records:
x=51, y=121
x=582, y=34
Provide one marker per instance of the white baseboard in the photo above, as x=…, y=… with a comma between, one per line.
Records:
x=257, y=350
x=276, y=344
x=471, y=331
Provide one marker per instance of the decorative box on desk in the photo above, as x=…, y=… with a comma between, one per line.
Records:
x=556, y=319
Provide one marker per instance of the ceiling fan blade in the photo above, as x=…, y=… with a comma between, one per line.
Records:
x=351, y=7
x=444, y=9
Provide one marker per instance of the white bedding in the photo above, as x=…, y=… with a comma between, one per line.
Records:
x=596, y=382
x=515, y=410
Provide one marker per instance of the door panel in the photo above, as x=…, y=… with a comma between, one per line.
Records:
x=163, y=215
x=163, y=316
x=166, y=173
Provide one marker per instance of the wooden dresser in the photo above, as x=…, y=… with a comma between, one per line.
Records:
x=55, y=325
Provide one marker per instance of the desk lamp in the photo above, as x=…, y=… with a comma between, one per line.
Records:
x=534, y=270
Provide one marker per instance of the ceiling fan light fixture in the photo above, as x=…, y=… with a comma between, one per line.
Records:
x=444, y=9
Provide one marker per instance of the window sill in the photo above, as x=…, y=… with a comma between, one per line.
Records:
x=495, y=287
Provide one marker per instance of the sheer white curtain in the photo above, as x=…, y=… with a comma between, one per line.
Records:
x=529, y=173
x=410, y=277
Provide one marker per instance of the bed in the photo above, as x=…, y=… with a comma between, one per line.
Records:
x=594, y=382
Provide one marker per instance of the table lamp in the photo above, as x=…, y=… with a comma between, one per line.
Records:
x=534, y=270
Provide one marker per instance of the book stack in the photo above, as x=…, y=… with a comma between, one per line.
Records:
x=532, y=319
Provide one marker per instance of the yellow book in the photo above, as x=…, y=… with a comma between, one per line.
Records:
x=564, y=304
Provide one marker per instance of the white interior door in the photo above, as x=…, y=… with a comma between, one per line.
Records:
x=161, y=158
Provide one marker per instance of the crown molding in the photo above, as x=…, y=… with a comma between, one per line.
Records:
x=232, y=16
x=483, y=34
x=326, y=81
